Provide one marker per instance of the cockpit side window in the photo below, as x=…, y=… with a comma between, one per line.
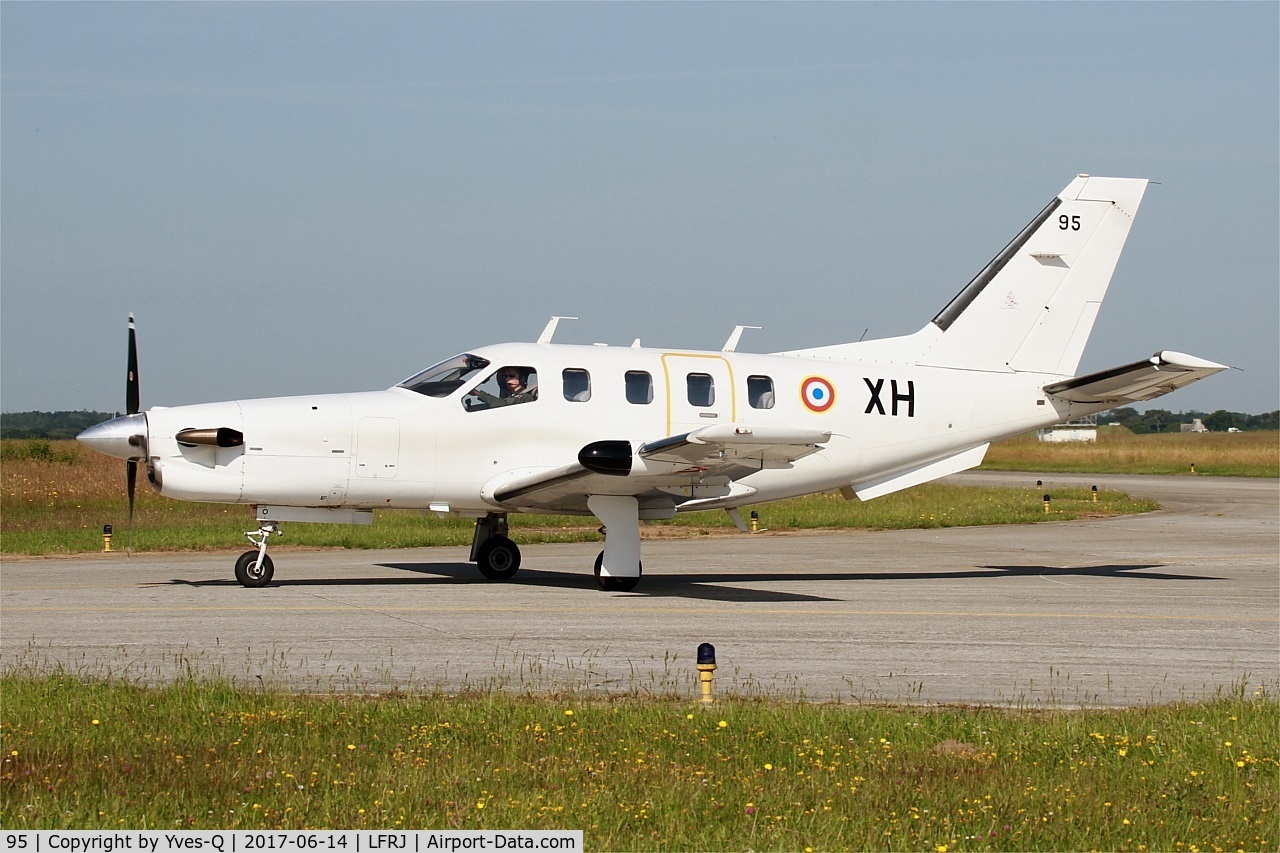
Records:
x=506, y=386
x=441, y=380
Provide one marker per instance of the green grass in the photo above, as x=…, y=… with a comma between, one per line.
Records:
x=56, y=497
x=61, y=524
x=1118, y=451
x=643, y=775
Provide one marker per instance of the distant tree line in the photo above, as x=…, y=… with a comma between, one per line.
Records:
x=1163, y=420
x=49, y=425
x=56, y=425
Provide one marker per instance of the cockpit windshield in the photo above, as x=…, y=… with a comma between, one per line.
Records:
x=448, y=376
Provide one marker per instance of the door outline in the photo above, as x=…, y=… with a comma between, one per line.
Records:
x=675, y=367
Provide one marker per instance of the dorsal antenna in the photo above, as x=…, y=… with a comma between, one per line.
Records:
x=550, y=330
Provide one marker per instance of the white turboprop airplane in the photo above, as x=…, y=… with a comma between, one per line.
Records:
x=631, y=433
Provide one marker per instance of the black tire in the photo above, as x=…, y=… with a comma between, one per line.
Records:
x=612, y=584
x=498, y=558
x=248, y=576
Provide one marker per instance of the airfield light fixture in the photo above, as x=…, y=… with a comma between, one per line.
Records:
x=706, y=668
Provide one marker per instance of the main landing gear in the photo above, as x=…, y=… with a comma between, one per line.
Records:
x=492, y=551
x=617, y=568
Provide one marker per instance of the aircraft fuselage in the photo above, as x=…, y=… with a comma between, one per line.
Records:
x=401, y=449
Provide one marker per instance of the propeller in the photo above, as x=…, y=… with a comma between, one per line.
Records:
x=125, y=437
x=131, y=405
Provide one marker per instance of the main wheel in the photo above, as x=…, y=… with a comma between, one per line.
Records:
x=251, y=575
x=612, y=584
x=498, y=558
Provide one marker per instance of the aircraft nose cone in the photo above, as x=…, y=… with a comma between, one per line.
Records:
x=124, y=437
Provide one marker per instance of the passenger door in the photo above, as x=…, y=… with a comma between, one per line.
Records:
x=700, y=391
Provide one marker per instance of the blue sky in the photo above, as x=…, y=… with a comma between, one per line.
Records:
x=302, y=198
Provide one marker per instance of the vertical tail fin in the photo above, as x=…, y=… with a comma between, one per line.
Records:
x=1033, y=306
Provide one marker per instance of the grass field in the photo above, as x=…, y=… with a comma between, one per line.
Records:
x=56, y=497
x=640, y=772
x=1118, y=451
x=649, y=774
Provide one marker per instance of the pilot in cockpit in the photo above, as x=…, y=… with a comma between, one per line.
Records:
x=513, y=387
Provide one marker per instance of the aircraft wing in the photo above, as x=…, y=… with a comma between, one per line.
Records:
x=1143, y=380
x=703, y=463
x=714, y=445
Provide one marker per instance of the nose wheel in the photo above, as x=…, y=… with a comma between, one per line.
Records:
x=254, y=569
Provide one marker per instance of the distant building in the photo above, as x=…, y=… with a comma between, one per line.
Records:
x=1079, y=429
x=1194, y=426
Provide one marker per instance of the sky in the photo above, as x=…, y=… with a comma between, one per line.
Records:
x=299, y=198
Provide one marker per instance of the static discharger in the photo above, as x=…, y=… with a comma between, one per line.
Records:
x=706, y=670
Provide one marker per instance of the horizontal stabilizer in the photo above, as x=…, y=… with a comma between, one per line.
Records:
x=1143, y=380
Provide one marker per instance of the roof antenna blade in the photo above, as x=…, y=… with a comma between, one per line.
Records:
x=731, y=345
x=550, y=330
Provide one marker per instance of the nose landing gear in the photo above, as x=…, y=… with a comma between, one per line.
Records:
x=254, y=569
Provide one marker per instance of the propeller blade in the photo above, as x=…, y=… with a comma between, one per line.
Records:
x=131, y=476
x=131, y=393
x=132, y=402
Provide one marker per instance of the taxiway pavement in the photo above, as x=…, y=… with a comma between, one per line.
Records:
x=1179, y=604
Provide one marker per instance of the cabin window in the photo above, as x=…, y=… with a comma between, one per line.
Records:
x=506, y=386
x=760, y=392
x=702, y=389
x=577, y=385
x=639, y=387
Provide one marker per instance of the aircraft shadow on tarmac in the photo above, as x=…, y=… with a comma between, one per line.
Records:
x=708, y=585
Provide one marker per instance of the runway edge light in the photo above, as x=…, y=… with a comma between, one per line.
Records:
x=706, y=668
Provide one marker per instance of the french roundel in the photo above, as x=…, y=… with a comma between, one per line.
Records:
x=817, y=393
